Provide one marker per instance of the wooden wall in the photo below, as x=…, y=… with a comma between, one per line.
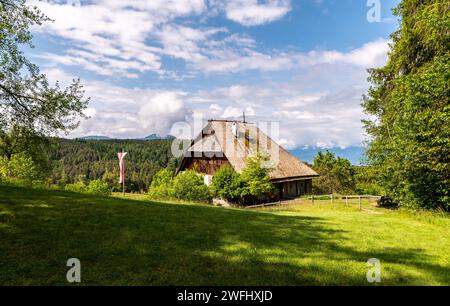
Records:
x=206, y=165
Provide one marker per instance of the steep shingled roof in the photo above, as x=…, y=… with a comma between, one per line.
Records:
x=218, y=136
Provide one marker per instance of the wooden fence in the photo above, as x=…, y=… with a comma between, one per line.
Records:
x=316, y=197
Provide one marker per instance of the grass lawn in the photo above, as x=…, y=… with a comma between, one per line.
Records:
x=135, y=242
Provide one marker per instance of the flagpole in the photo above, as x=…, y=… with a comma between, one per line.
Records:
x=123, y=181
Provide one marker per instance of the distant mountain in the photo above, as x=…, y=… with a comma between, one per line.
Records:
x=95, y=138
x=149, y=137
x=156, y=136
x=354, y=154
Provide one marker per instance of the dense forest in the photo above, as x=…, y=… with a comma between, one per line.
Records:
x=409, y=101
x=86, y=160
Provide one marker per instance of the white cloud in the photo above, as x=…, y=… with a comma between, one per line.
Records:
x=315, y=117
x=161, y=111
x=119, y=39
x=287, y=144
x=122, y=112
x=110, y=37
x=369, y=55
x=254, y=12
x=372, y=54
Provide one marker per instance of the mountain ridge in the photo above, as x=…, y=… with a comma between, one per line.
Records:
x=149, y=137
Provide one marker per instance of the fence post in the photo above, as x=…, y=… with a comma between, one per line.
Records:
x=346, y=200
x=359, y=197
x=332, y=199
x=312, y=199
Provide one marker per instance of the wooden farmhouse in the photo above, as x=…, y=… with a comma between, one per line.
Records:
x=231, y=142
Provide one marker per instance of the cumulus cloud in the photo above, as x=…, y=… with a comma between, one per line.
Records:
x=312, y=117
x=109, y=36
x=122, y=112
x=318, y=105
x=228, y=60
x=254, y=12
x=161, y=111
x=324, y=116
x=369, y=55
x=127, y=40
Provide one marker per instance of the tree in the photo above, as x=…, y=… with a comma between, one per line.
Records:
x=189, y=186
x=256, y=178
x=20, y=168
x=409, y=98
x=97, y=159
x=337, y=175
x=367, y=182
x=227, y=184
x=26, y=97
x=161, y=184
x=21, y=140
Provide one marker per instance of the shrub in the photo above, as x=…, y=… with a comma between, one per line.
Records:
x=257, y=184
x=227, y=184
x=76, y=187
x=189, y=186
x=98, y=187
x=387, y=202
x=4, y=166
x=20, y=168
x=161, y=185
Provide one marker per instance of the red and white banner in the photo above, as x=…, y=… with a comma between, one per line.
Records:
x=121, y=156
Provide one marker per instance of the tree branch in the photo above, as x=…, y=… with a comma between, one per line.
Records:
x=15, y=96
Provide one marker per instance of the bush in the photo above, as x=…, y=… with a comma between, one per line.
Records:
x=227, y=184
x=4, y=166
x=20, y=168
x=98, y=187
x=387, y=202
x=161, y=185
x=76, y=187
x=189, y=186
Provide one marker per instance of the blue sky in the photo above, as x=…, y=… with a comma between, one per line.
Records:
x=149, y=64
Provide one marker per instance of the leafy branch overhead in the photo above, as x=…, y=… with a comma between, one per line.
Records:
x=26, y=97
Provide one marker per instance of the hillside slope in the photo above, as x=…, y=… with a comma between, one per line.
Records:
x=132, y=242
x=90, y=159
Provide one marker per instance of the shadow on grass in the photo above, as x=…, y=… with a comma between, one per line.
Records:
x=143, y=243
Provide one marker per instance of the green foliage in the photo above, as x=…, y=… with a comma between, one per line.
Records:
x=4, y=166
x=97, y=159
x=366, y=178
x=98, y=187
x=22, y=140
x=79, y=187
x=257, y=184
x=227, y=184
x=26, y=97
x=161, y=185
x=410, y=99
x=189, y=186
x=20, y=168
x=30, y=107
x=337, y=175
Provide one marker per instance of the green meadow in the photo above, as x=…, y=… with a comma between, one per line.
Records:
x=133, y=241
